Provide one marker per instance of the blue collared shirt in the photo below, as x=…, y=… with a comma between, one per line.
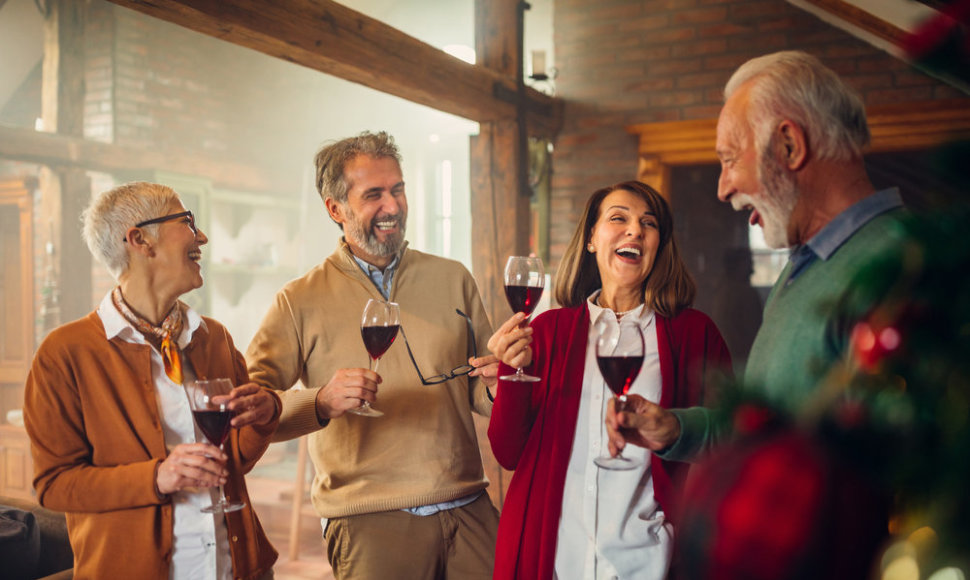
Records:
x=841, y=228
x=380, y=279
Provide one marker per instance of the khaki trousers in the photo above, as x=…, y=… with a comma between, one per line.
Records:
x=455, y=544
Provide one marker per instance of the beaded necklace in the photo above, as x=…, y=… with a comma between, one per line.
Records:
x=618, y=314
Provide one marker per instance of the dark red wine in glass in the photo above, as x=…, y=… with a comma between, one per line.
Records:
x=619, y=372
x=377, y=339
x=524, y=280
x=523, y=298
x=214, y=424
x=378, y=328
x=209, y=400
x=619, y=355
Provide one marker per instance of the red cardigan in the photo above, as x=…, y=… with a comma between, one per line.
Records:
x=532, y=427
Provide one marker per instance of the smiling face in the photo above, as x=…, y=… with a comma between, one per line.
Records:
x=625, y=239
x=177, y=252
x=754, y=182
x=374, y=217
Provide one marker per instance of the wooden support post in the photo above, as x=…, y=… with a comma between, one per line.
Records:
x=500, y=189
x=499, y=179
x=65, y=191
x=500, y=211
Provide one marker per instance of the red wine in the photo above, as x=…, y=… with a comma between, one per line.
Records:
x=523, y=298
x=619, y=372
x=213, y=424
x=377, y=339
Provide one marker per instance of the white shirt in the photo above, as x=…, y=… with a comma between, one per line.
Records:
x=201, y=541
x=611, y=524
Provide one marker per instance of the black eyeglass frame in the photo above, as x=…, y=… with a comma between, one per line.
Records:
x=456, y=372
x=170, y=217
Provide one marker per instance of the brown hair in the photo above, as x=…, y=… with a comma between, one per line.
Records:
x=668, y=289
x=332, y=158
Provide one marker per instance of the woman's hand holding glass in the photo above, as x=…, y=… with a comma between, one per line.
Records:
x=511, y=342
x=191, y=465
x=524, y=280
x=209, y=400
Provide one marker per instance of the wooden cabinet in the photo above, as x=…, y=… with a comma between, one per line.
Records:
x=16, y=465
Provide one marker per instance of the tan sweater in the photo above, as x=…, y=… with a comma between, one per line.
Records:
x=424, y=449
x=96, y=438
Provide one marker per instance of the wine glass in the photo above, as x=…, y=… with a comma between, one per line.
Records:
x=209, y=401
x=524, y=279
x=619, y=355
x=378, y=328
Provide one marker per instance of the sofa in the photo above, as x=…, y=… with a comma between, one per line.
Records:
x=33, y=541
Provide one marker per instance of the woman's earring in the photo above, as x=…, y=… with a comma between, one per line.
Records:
x=590, y=248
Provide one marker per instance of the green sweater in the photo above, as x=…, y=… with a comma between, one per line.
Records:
x=424, y=450
x=801, y=336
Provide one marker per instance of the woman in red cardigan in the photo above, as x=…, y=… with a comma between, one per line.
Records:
x=564, y=517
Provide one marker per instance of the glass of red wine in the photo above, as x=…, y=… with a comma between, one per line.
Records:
x=619, y=355
x=209, y=401
x=378, y=327
x=524, y=280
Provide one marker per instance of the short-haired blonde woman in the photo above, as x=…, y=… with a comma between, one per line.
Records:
x=111, y=431
x=563, y=516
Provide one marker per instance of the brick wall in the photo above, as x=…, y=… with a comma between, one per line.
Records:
x=623, y=62
x=149, y=87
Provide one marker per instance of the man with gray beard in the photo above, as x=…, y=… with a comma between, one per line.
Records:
x=784, y=500
x=401, y=495
x=790, y=139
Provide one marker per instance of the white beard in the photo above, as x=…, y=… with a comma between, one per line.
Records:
x=778, y=203
x=775, y=204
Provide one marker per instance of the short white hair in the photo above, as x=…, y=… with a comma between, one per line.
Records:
x=111, y=213
x=797, y=86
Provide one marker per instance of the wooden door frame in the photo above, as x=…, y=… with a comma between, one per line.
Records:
x=18, y=193
x=901, y=127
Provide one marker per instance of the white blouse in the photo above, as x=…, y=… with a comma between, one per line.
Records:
x=201, y=541
x=611, y=525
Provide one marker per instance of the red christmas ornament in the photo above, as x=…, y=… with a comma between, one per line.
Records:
x=750, y=418
x=872, y=345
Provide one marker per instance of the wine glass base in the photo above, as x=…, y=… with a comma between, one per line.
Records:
x=521, y=379
x=223, y=508
x=618, y=463
x=366, y=411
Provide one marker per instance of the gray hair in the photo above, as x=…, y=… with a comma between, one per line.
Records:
x=111, y=213
x=333, y=158
x=797, y=86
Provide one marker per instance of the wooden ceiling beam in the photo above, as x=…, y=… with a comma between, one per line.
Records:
x=56, y=150
x=331, y=38
x=862, y=19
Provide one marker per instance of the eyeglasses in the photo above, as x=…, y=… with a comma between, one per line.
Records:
x=170, y=217
x=456, y=372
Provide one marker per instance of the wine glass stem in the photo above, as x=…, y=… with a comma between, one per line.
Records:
x=222, y=488
x=620, y=407
x=620, y=403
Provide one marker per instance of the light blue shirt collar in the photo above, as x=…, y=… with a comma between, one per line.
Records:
x=382, y=280
x=831, y=237
x=842, y=226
